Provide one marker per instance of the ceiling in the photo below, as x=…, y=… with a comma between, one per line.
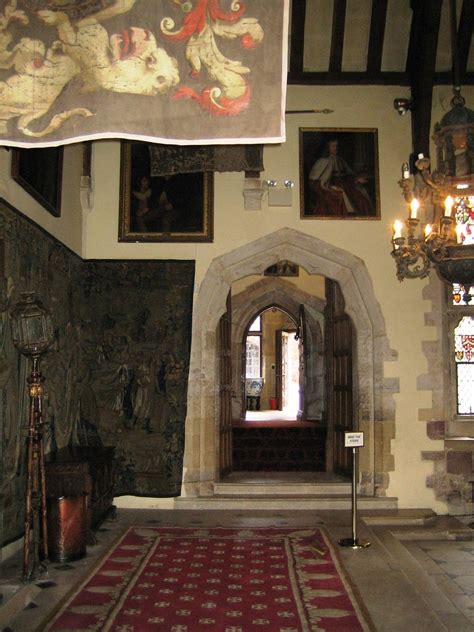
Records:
x=388, y=42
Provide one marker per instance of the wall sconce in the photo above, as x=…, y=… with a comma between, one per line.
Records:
x=279, y=196
x=403, y=105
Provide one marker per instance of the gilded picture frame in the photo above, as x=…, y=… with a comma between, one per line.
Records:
x=339, y=173
x=162, y=208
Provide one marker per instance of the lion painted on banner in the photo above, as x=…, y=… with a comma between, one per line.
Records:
x=131, y=62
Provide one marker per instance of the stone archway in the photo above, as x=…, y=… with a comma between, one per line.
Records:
x=372, y=349
x=275, y=291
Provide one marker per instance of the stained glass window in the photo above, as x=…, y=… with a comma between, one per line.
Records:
x=458, y=295
x=464, y=215
x=464, y=358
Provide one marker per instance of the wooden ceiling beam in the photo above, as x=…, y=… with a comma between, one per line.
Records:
x=443, y=78
x=421, y=68
x=466, y=26
x=337, y=39
x=298, y=19
x=350, y=78
x=370, y=78
x=376, y=36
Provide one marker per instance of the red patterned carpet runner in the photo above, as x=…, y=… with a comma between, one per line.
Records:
x=217, y=580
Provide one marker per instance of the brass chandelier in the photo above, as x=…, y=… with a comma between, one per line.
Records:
x=448, y=193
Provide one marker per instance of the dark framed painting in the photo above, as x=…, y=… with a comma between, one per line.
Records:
x=40, y=172
x=339, y=174
x=158, y=207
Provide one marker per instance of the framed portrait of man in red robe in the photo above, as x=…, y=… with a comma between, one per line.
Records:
x=339, y=176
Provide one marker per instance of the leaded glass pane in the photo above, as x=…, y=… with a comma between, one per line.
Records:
x=256, y=325
x=464, y=214
x=465, y=389
x=458, y=294
x=253, y=356
x=464, y=357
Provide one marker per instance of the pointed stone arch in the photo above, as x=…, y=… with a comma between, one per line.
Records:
x=284, y=295
x=372, y=349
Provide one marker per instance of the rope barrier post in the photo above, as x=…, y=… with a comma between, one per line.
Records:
x=354, y=440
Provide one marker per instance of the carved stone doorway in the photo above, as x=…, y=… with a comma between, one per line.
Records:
x=201, y=462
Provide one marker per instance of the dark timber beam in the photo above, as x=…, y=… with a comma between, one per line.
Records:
x=298, y=18
x=347, y=78
x=376, y=37
x=443, y=78
x=421, y=68
x=337, y=39
x=466, y=25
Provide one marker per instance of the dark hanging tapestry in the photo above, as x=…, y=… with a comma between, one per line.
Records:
x=136, y=347
x=180, y=72
x=168, y=160
x=117, y=373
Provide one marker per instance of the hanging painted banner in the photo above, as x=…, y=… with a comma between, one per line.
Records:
x=179, y=72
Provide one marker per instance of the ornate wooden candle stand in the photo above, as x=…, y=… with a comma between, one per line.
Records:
x=36, y=534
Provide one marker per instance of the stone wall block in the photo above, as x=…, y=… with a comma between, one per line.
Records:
x=433, y=456
x=436, y=429
x=459, y=462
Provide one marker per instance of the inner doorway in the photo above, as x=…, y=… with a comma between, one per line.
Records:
x=295, y=378
x=271, y=367
x=273, y=433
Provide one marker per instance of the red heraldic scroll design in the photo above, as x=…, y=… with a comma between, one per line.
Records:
x=177, y=72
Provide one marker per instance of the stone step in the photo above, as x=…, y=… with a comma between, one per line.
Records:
x=15, y=597
x=402, y=518
x=421, y=524
x=269, y=488
x=281, y=502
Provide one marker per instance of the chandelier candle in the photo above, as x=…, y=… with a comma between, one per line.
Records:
x=448, y=206
x=414, y=206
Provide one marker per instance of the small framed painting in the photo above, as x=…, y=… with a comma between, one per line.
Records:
x=155, y=206
x=40, y=172
x=339, y=176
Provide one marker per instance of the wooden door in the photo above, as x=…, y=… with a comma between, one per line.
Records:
x=243, y=379
x=303, y=355
x=339, y=395
x=225, y=391
x=279, y=368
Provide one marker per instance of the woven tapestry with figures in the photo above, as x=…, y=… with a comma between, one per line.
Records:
x=219, y=579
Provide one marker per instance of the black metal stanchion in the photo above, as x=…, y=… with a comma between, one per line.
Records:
x=354, y=541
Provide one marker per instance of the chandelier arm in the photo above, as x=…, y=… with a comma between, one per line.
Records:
x=412, y=261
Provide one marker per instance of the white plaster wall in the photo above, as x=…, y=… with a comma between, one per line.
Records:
x=68, y=227
x=354, y=107
x=401, y=303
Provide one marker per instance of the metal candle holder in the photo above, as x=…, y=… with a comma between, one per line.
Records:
x=33, y=335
